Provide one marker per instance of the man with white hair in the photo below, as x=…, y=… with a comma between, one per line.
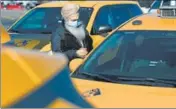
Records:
x=71, y=37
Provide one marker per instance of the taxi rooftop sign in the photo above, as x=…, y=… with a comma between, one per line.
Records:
x=168, y=8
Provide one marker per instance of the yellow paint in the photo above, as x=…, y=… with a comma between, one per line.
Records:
x=152, y=22
x=4, y=35
x=74, y=64
x=97, y=39
x=46, y=48
x=127, y=96
x=30, y=44
x=24, y=71
x=24, y=66
x=60, y=103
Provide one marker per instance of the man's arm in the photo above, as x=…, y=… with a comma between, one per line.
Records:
x=89, y=41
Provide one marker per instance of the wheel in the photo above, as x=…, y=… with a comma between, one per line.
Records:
x=28, y=6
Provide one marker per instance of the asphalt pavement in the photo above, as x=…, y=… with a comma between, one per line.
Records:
x=8, y=17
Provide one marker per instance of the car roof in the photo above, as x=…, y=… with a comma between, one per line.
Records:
x=150, y=22
x=84, y=3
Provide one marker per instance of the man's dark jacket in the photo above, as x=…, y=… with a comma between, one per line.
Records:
x=63, y=41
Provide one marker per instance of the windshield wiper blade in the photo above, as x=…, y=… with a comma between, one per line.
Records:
x=16, y=31
x=99, y=77
x=147, y=80
x=46, y=32
x=162, y=81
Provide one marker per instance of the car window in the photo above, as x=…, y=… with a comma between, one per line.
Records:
x=134, y=9
x=142, y=54
x=103, y=17
x=41, y=20
x=169, y=3
x=122, y=13
x=35, y=21
x=38, y=20
x=115, y=15
x=156, y=4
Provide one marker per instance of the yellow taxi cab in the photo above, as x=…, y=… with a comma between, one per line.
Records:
x=4, y=35
x=26, y=83
x=33, y=30
x=134, y=67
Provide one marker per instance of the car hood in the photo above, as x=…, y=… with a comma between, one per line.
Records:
x=29, y=41
x=110, y=95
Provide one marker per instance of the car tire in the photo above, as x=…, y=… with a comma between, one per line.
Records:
x=28, y=6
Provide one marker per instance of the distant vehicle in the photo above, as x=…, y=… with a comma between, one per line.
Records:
x=1, y=6
x=28, y=4
x=5, y=3
x=14, y=6
x=161, y=3
x=10, y=5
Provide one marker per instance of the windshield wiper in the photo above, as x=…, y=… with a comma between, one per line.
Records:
x=142, y=81
x=16, y=31
x=169, y=82
x=45, y=32
x=99, y=77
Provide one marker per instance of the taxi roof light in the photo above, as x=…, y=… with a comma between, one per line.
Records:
x=167, y=9
x=167, y=12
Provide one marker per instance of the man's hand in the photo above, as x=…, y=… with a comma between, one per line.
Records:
x=82, y=52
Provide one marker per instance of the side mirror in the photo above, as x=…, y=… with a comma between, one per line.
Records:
x=104, y=29
x=75, y=63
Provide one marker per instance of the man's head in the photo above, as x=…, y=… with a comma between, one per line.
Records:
x=70, y=12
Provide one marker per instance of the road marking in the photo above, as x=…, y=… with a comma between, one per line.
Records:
x=9, y=18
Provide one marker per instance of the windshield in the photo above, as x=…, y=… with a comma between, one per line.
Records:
x=156, y=4
x=169, y=3
x=139, y=54
x=45, y=20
